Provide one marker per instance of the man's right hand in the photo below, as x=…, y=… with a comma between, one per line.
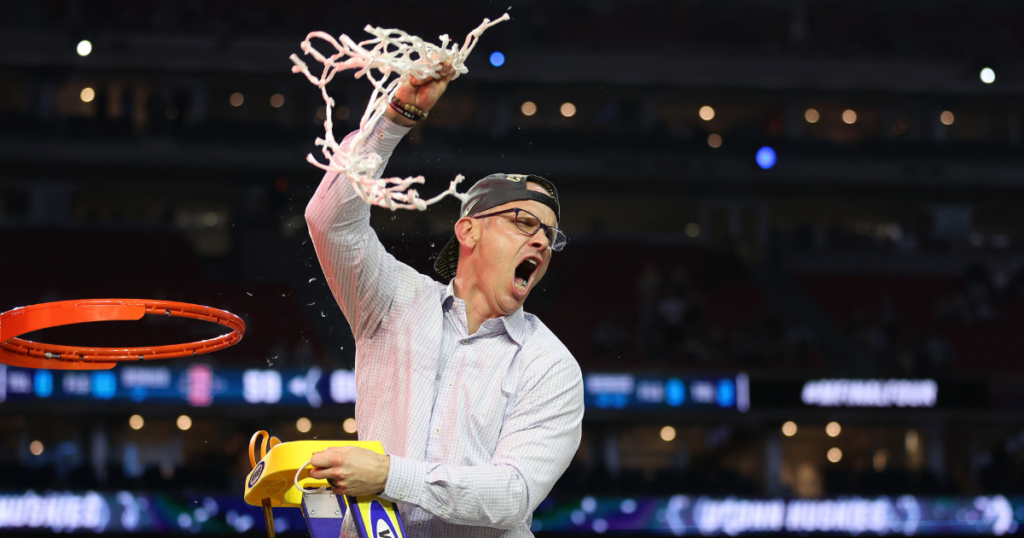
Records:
x=421, y=93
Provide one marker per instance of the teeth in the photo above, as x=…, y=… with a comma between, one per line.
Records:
x=533, y=262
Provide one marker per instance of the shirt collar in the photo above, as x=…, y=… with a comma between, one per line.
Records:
x=515, y=323
x=449, y=295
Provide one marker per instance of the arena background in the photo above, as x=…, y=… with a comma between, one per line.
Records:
x=821, y=336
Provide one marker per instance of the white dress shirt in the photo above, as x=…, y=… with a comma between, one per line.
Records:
x=479, y=427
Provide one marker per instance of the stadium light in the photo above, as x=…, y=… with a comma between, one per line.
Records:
x=765, y=157
x=136, y=422
x=879, y=460
x=789, y=428
x=497, y=59
x=988, y=76
x=84, y=48
x=303, y=425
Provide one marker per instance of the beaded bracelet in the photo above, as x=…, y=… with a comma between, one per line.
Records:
x=410, y=108
x=408, y=115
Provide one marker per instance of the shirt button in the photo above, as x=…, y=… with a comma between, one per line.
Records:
x=464, y=342
x=420, y=524
x=401, y=495
x=449, y=385
x=438, y=431
x=443, y=511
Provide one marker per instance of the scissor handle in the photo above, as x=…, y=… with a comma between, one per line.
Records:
x=252, y=446
x=268, y=444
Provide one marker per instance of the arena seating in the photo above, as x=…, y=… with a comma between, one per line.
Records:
x=917, y=301
x=598, y=283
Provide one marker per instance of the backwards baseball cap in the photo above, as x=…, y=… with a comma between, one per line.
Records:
x=493, y=191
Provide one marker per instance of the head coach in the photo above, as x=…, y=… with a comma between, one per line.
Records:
x=477, y=404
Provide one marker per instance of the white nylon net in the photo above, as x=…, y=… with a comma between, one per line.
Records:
x=390, y=52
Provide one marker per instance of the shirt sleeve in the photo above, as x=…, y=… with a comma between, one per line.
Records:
x=359, y=271
x=537, y=443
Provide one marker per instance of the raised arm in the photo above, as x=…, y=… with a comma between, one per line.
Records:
x=360, y=273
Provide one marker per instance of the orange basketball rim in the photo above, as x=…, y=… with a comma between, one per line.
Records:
x=15, y=351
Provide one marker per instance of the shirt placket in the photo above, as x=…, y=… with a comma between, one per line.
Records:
x=442, y=403
x=451, y=352
x=457, y=343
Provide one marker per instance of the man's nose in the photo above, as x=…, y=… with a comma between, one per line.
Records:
x=539, y=241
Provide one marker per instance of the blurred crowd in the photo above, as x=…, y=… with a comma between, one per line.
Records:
x=673, y=328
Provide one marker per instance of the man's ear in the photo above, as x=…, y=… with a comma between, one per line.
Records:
x=468, y=231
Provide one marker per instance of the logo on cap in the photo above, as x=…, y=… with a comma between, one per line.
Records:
x=470, y=208
x=515, y=177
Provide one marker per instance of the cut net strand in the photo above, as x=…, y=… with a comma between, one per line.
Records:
x=390, y=51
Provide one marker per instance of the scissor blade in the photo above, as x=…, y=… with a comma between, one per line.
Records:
x=268, y=516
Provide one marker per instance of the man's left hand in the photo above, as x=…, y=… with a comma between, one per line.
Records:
x=352, y=470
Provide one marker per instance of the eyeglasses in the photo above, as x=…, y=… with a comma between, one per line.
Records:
x=530, y=224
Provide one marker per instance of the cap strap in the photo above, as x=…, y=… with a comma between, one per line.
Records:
x=544, y=199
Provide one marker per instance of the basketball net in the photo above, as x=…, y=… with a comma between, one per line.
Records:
x=390, y=52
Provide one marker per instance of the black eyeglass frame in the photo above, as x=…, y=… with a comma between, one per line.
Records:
x=540, y=226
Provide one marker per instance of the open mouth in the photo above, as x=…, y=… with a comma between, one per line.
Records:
x=524, y=271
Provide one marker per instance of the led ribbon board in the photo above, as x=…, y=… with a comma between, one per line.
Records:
x=881, y=395
x=652, y=391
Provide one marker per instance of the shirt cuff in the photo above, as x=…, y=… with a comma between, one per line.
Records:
x=385, y=136
x=405, y=480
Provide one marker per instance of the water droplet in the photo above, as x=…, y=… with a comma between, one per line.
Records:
x=323, y=315
x=342, y=347
x=312, y=279
x=249, y=294
x=431, y=244
x=311, y=304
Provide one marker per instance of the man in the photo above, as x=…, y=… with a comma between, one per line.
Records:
x=477, y=404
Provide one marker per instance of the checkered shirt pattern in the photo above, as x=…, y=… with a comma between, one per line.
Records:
x=479, y=427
